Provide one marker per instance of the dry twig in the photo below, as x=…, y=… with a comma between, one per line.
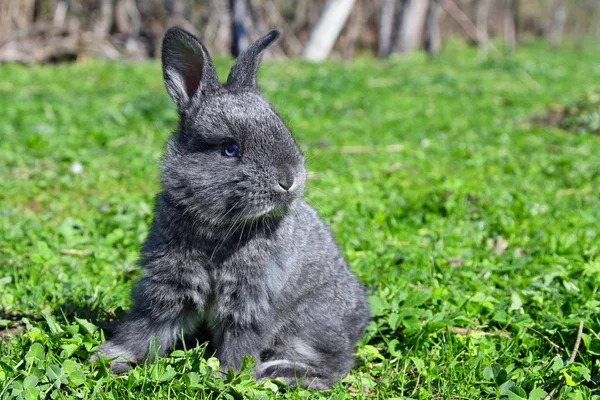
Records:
x=577, y=342
x=546, y=338
x=76, y=252
x=571, y=359
x=469, y=331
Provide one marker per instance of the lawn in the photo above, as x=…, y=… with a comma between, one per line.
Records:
x=476, y=232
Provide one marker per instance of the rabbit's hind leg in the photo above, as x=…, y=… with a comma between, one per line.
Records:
x=295, y=373
x=303, y=362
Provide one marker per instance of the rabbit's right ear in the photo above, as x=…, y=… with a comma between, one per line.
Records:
x=187, y=67
x=244, y=70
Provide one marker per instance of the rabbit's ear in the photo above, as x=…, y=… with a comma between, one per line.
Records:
x=187, y=67
x=243, y=72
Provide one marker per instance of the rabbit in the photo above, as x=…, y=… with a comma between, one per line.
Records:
x=233, y=249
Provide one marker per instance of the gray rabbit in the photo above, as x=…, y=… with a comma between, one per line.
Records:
x=233, y=248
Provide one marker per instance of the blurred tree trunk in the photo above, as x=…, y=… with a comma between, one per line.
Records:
x=511, y=24
x=328, y=28
x=60, y=12
x=176, y=11
x=300, y=14
x=264, y=16
x=216, y=31
x=433, y=39
x=174, y=7
x=354, y=26
x=38, y=6
x=239, y=35
x=461, y=19
x=410, y=24
x=482, y=12
x=105, y=20
x=386, y=24
x=557, y=24
x=127, y=18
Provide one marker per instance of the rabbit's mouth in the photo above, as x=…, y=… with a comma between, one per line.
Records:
x=275, y=211
x=269, y=204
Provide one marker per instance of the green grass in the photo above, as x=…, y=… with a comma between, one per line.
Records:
x=476, y=233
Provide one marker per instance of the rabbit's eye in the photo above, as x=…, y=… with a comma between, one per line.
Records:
x=230, y=149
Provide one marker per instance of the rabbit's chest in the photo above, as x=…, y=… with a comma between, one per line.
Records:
x=244, y=294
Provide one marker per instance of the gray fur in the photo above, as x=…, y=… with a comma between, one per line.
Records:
x=230, y=249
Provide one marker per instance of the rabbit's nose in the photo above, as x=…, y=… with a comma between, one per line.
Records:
x=286, y=181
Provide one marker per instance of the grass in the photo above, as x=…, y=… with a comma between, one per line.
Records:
x=476, y=233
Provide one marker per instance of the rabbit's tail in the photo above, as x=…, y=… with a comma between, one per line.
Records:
x=295, y=373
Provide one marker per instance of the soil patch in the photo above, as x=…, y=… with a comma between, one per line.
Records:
x=582, y=116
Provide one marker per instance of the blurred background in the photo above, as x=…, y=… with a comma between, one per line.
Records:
x=42, y=31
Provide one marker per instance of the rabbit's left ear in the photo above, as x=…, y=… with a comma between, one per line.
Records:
x=187, y=68
x=243, y=72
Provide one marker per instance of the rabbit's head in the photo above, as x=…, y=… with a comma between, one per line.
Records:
x=232, y=158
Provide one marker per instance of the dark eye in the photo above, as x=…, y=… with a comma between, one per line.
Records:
x=230, y=149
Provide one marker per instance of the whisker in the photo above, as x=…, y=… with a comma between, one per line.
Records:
x=232, y=207
x=243, y=227
x=269, y=227
x=316, y=204
x=230, y=230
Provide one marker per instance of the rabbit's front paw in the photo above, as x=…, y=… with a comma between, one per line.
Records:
x=121, y=363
